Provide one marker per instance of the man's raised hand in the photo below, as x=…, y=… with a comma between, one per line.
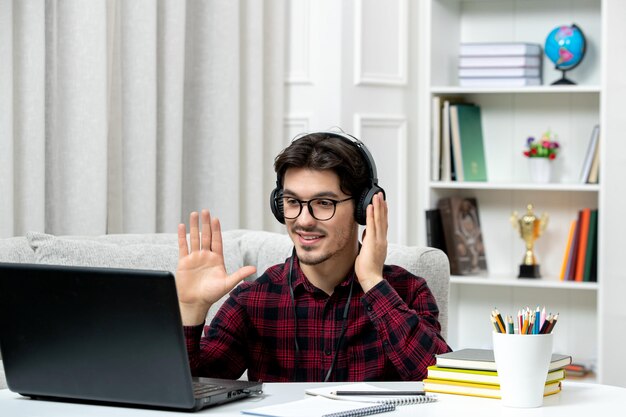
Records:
x=201, y=277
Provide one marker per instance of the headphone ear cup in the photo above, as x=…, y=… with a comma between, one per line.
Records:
x=276, y=204
x=365, y=200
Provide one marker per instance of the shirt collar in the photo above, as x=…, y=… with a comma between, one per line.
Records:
x=299, y=279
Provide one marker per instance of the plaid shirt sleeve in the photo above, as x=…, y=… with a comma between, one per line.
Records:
x=222, y=352
x=409, y=330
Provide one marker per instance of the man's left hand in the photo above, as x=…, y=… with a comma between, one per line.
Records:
x=369, y=264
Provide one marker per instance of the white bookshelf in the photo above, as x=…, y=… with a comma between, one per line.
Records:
x=509, y=116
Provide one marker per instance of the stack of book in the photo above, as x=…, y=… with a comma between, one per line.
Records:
x=500, y=64
x=473, y=372
x=578, y=370
x=581, y=250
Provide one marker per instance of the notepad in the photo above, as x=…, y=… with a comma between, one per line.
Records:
x=318, y=406
x=328, y=392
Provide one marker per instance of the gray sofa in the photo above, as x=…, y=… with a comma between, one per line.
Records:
x=241, y=247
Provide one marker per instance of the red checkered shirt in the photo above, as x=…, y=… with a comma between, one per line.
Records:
x=392, y=331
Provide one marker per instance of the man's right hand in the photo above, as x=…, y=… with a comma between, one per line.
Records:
x=201, y=277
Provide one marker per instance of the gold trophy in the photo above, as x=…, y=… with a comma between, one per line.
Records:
x=530, y=229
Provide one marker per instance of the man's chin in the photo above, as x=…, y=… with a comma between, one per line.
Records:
x=307, y=257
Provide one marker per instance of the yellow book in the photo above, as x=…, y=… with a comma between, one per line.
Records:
x=480, y=377
x=570, y=236
x=443, y=386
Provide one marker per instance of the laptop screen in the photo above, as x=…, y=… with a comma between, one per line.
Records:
x=93, y=334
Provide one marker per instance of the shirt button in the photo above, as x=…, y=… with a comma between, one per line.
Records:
x=369, y=308
x=327, y=352
x=385, y=342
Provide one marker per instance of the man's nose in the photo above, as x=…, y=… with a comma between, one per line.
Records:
x=305, y=216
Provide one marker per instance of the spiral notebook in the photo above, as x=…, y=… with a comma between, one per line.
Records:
x=328, y=392
x=320, y=407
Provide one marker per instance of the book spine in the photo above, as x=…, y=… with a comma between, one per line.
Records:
x=499, y=49
x=568, y=246
x=434, y=230
x=436, y=139
x=445, y=143
x=582, y=245
x=595, y=165
x=499, y=82
x=447, y=222
x=592, y=251
x=590, y=154
x=471, y=142
x=499, y=61
x=455, y=140
x=571, y=262
x=499, y=72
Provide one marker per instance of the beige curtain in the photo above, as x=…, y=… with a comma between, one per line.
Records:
x=123, y=116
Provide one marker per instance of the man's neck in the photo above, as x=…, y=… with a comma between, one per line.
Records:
x=327, y=275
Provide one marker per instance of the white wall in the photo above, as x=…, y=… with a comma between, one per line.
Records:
x=352, y=64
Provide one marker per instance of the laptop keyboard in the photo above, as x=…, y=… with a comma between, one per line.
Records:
x=203, y=389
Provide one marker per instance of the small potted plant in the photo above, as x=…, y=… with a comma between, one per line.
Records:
x=540, y=153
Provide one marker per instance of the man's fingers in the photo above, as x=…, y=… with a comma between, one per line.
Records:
x=381, y=220
x=194, y=234
x=216, y=237
x=378, y=214
x=369, y=221
x=206, y=229
x=386, y=218
x=240, y=275
x=183, y=250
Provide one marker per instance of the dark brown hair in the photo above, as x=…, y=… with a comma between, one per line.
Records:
x=322, y=151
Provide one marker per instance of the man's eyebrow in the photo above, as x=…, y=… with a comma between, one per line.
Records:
x=321, y=194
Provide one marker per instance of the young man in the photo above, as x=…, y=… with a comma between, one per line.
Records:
x=332, y=311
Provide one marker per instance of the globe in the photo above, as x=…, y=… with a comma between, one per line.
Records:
x=565, y=46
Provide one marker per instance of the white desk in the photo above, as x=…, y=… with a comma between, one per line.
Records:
x=576, y=399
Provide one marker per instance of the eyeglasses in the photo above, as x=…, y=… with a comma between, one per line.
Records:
x=320, y=208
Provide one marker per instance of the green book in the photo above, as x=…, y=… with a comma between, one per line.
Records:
x=468, y=139
x=592, y=239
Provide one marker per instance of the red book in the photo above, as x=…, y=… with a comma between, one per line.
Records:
x=582, y=245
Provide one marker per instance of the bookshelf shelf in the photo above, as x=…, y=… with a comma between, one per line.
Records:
x=545, y=89
x=452, y=185
x=509, y=281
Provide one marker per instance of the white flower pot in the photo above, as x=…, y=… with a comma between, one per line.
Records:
x=540, y=169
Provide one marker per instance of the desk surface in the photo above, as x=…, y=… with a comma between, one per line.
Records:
x=576, y=399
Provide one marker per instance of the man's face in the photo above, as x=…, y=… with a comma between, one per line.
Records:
x=320, y=241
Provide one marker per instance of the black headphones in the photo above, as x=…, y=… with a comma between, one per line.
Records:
x=365, y=199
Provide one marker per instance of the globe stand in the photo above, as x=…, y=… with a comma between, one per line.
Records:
x=563, y=80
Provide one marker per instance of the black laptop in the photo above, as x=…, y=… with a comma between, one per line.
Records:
x=101, y=335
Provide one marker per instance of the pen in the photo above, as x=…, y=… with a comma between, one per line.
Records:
x=378, y=393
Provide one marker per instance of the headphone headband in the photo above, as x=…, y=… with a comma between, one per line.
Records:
x=366, y=197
